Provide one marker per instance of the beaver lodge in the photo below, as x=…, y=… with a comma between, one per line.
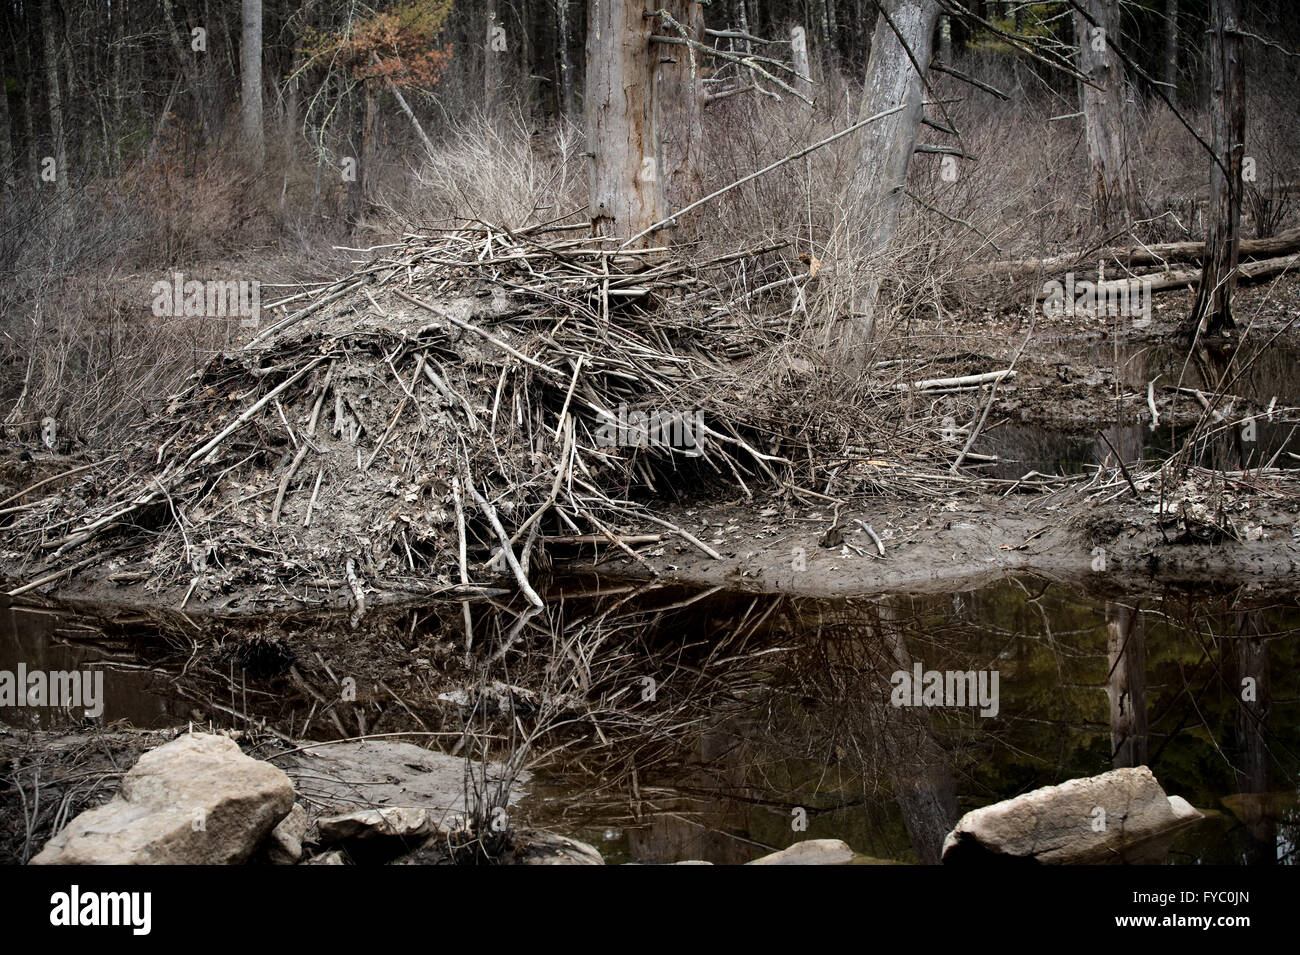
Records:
x=429, y=422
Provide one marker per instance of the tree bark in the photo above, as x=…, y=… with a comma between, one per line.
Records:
x=625, y=185
x=6, y=139
x=1105, y=110
x=54, y=103
x=799, y=59
x=1171, y=50
x=562, y=28
x=491, y=62
x=1212, y=309
x=679, y=104
x=251, y=84
x=185, y=58
x=875, y=192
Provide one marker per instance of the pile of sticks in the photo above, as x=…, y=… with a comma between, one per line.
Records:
x=423, y=424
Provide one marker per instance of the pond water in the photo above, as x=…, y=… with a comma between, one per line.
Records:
x=1272, y=376
x=716, y=725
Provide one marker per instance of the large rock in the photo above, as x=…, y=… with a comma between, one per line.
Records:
x=1120, y=816
x=389, y=823
x=197, y=800
x=809, y=852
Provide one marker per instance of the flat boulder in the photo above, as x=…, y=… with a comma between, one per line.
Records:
x=1120, y=816
x=809, y=852
x=197, y=800
x=391, y=822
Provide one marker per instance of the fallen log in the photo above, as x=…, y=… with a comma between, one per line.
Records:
x=1188, y=278
x=1283, y=243
x=930, y=384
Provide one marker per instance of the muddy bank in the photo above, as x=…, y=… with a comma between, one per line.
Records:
x=772, y=546
x=942, y=545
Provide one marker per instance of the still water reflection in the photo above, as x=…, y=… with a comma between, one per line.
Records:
x=669, y=724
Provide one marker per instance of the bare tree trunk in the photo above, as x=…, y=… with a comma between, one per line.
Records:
x=562, y=39
x=27, y=104
x=1171, y=50
x=118, y=39
x=251, y=84
x=1105, y=110
x=363, y=187
x=679, y=95
x=832, y=32
x=1126, y=685
x=294, y=82
x=799, y=58
x=626, y=188
x=945, y=40
x=6, y=140
x=493, y=47
x=186, y=60
x=54, y=102
x=885, y=149
x=1212, y=309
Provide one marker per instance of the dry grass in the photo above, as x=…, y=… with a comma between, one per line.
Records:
x=77, y=340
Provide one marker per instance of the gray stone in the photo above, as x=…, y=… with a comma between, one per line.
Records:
x=284, y=845
x=809, y=852
x=197, y=800
x=1120, y=816
x=391, y=822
